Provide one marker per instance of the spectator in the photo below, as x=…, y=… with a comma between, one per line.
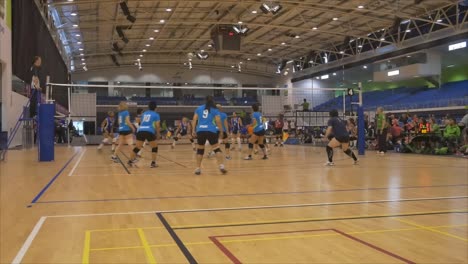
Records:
x=396, y=132
x=434, y=126
x=305, y=105
x=353, y=132
x=452, y=131
x=381, y=130
x=424, y=127
x=35, y=86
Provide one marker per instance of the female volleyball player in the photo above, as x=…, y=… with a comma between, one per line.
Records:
x=126, y=129
x=149, y=130
x=279, y=124
x=223, y=137
x=182, y=130
x=338, y=135
x=205, y=120
x=258, y=133
x=107, y=128
x=235, y=129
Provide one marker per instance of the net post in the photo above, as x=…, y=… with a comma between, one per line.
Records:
x=361, y=124
x=69, y=116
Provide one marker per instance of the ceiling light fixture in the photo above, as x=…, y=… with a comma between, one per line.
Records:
x=144, y=50
x=162, y=21
x=77, y=35
x=151, y=38
x=259, y=54
x=156, y=30
x=73, y=14
x=239, y=29
x=408, y=30
x=147, y=45
x=297, y=36
x=168, y=10
x=80, y=49
x=359, y=46
x=314, y=28
x=141, y=55
x=269, y=49
x=81, y=54
x=202, y=55
x=335, y=19
x=382, y=39
x=248, y=59
x=254, y=12
x=75, y=25
x=439, y=20
x=360, y=7
x=79, y=43
x=273, y=9
x=283, y=43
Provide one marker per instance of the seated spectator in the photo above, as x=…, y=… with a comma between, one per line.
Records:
x=396, y=132
x=452, y=131
x=424, y=127
x=435, y=129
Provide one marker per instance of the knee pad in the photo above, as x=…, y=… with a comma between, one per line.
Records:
x=200, y=152
x=191, y=140
x=250, y=146
x=154, y=150
x=261, y=146
x=106, y=140
x=228, y=145
x=217, y=150
x=176, y=138
x=114, y=140
x=136, y=150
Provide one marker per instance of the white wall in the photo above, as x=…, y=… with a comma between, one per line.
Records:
x=171, y=74
x=8, y=104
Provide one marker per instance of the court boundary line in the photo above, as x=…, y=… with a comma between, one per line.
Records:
x=431, y=229
x=39, y=195
x=249, y=194
x=176, y=239
x=262, y=207
x=235, y=260
x=25, y=247
x=77, y=162
x=121, y=163
x=175, y=162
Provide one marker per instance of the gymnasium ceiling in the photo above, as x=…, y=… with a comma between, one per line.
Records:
x=169, y=30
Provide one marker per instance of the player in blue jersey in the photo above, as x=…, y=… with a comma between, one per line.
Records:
x=223, y=132
x=206, y=119
x=338, y=135
x=184, y=129
x=126, y=129
x=236, y=130
x=107, y=128
x=149, y=130
x=258, y=133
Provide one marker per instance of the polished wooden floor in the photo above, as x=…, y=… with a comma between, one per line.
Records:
x=83, y=208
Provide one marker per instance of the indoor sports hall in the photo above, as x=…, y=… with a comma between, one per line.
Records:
x=253, y=131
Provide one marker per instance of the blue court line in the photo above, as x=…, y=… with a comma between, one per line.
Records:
x=35, y=200
x=249, y=194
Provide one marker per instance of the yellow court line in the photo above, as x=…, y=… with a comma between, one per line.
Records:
x=86, y=248
x=125, y=229
x=279, y=238
x=431, y=229
x=215, y=225
x=144, y=242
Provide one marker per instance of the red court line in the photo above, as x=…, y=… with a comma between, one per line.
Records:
x=235, y=260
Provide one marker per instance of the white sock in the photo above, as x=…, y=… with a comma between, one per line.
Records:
x=239, y=142
x=106, y=140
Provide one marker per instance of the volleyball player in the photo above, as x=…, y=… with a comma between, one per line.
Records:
x=149, y=130
x=223, y=136
x=137, y=125
x=236, y=128
x=279, y=124
x=126, y=129
x=107, y=128
x=258, y=133
x=182, y=130
x=205, y=120
x=337, y=128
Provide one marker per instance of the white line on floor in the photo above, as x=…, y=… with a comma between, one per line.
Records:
x=29, y=240
x=77, y=162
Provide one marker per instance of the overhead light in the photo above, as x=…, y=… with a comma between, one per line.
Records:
x=75, y=25
x=456, y=46
x=85, y=68
x=334, y=74
x=405, y=21
x=359, y=46
x=168, y=9
x=450, y=66
x=162, y=21
x=156, y=30
x=202, y=55
x=259, y=54
x=248, y=59
x=324, y=77
x=393, y=73
x=409, y=56
x=335, y=19
x=241, y=62
x=240, y=22
x=80, y=49
x=360, y=7
x=147, y=45
x=265, y=8
x=73, y=14
x=239, y=29
x=283, y=43
x=273, y=9
x=365, y=67
x=81, y=54
x=318, y=78
x=144, y=50
x=254, y=12
x=341, y=52
x=84, y=63
x=138, y=60
x=439, y=20
x=79, y=43
x=408, y=30
x=382, y=39
x=314, y=28
x=70, y=0
x=77, y=35
x=202, y=51
x=297, y=36
x=151, y=38
x=82, y=59
x=269, y=49
x=232, y=66
x=186, y=83
x=210, y=46
x=141, y=55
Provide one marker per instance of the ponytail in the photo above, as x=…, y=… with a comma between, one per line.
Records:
x=209, y=103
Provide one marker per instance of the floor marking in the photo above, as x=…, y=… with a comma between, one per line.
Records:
x=77, y=162
x=52, y=180
x=263, y=207
x=126, y=229
x=86, y=248
x=176, y=238
x=144, y=242
x=19, y=257
x=431, y=229
x=238, y=195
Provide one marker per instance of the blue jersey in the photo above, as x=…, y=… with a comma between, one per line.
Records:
x=109, y=124
x=258, y=117
x=223, y=117
x=148, y=122
x=206, y=119
x=123, y=127
x=235, y=123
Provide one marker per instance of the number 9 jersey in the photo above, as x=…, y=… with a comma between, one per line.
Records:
x=206, y=119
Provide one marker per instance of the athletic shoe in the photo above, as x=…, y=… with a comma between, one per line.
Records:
x=265, y=157
x=114, y=158
x=276, y=145
x=223, y=170
x=100, y=146
x=281, y=145
x=197, y=171
x=329, y=164
x=356, y=162
x=153, y=165
x=228, y=157
x=248, y=158
x=255, y=151
x=382, y=153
